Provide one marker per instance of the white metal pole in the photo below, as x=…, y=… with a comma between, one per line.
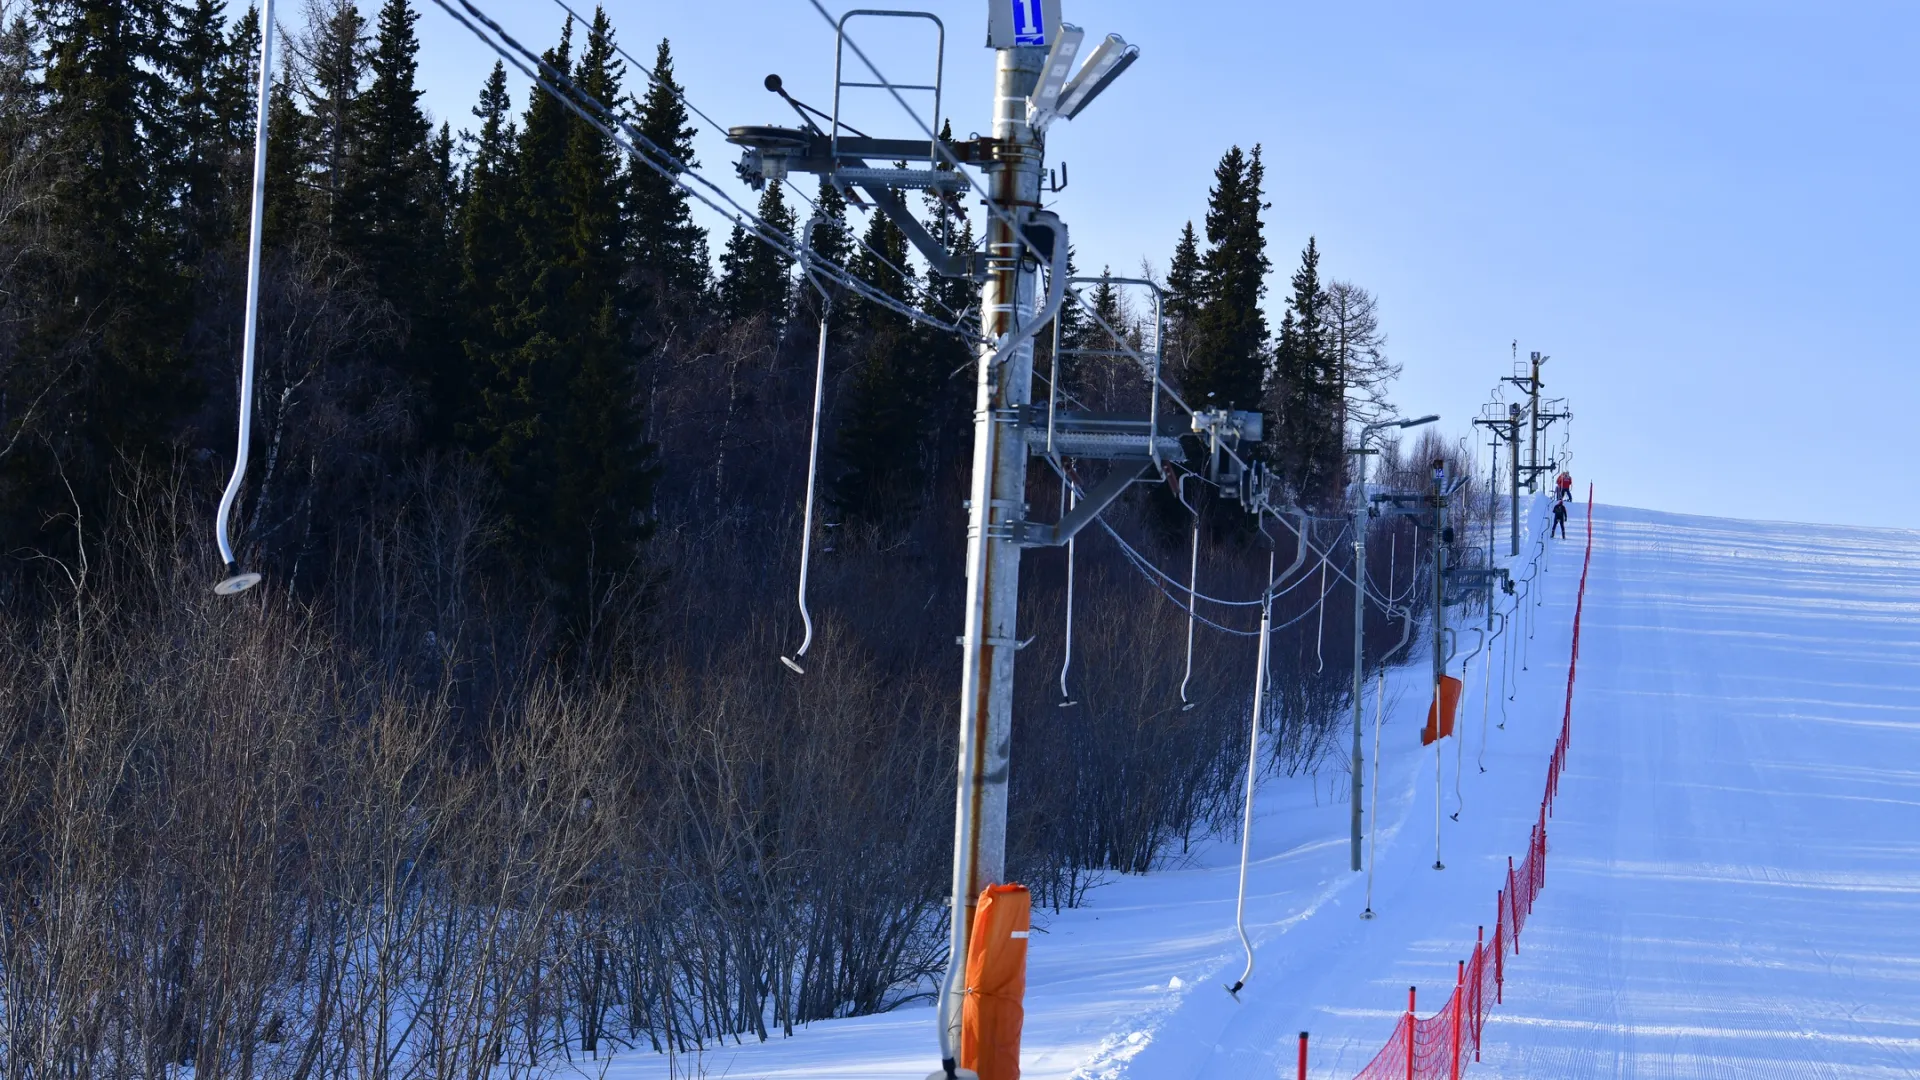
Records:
x=1253, y=772
x=236, y=581
x=1193, y=581
x=813, y=445
x=1066, y=660
x=1359, y=644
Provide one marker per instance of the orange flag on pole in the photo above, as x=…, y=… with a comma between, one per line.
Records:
x=1442, y=726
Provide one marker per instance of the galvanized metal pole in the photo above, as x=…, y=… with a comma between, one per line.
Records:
x=999, y=492
x=1439, y=635
x=1533, y=427
x=1359, y=628
x=1513, y=477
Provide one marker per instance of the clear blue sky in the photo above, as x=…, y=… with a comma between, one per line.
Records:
x=1704, y=211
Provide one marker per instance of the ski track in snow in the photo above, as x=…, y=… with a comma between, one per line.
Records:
x=1733, y=886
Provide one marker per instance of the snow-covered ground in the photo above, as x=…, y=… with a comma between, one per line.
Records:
x=1733, y=888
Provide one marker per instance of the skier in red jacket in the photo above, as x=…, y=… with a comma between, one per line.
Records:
x=1563, y=487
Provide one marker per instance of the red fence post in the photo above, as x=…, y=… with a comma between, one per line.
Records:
x=1499, y=960
x=1303, y=1056
x=1479, y=987
x=1540, y=861
x=1459, y=984
x=1513, y=905
x=1411, y=1024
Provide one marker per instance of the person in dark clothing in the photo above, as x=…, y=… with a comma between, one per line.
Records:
x=1559, y=520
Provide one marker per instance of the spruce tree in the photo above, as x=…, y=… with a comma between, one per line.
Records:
x=879, y=435
x=557, y=420
x=515, y=349
x=1097, y=379
x=881, y=262
x=117, y=304
x=1306, y=393
x=382, y=212
x=1183, y=301
x=211, y=95
x=1228, y=366
x=832, y=241
x=956, y=298
x=393, y=218
x=489, y=243
x=1072, y=326
x=670, y=250
x=290, y=206
x=951, y=372
x=337, y=69
x=755, y=278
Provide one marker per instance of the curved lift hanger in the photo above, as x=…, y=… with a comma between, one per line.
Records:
x=813, y=448
x=1253, y=772
x=1379, y=710
x=1193, y=583
x=238, y=581
x=1459, y=741
x=1253, y=740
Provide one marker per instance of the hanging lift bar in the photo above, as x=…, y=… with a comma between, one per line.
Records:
x=237, y=581
x=813, y=446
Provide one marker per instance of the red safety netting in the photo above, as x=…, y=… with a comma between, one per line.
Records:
x=1440, y=1046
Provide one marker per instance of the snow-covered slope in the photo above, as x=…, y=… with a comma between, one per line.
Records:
x=1733, y=889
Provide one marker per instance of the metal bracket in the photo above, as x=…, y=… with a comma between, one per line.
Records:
x=999, y=642
x=939, y=259
x=1090, y=506
x=1110, y=436
x=1473, y=580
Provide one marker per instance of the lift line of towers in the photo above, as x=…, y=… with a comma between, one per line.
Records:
x=1040, y=77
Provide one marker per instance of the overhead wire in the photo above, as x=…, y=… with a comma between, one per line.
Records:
x=652, y=77
x=680, y=95
x=669, y=166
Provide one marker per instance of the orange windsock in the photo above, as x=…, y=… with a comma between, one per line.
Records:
x=1449, y=703
x=996, y=983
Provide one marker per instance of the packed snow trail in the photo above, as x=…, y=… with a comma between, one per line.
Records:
x=1733, y=888
x=1734, y=885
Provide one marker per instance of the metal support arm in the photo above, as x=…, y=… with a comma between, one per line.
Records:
x=1090, y=506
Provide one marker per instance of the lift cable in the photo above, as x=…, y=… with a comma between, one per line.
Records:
x=629, y=139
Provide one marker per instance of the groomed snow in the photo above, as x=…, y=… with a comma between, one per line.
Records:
x=1733, y=888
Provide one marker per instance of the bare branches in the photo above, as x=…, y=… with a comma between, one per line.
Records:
x=1358, y=345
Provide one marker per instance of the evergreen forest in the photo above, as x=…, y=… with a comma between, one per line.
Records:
x=499, y=769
